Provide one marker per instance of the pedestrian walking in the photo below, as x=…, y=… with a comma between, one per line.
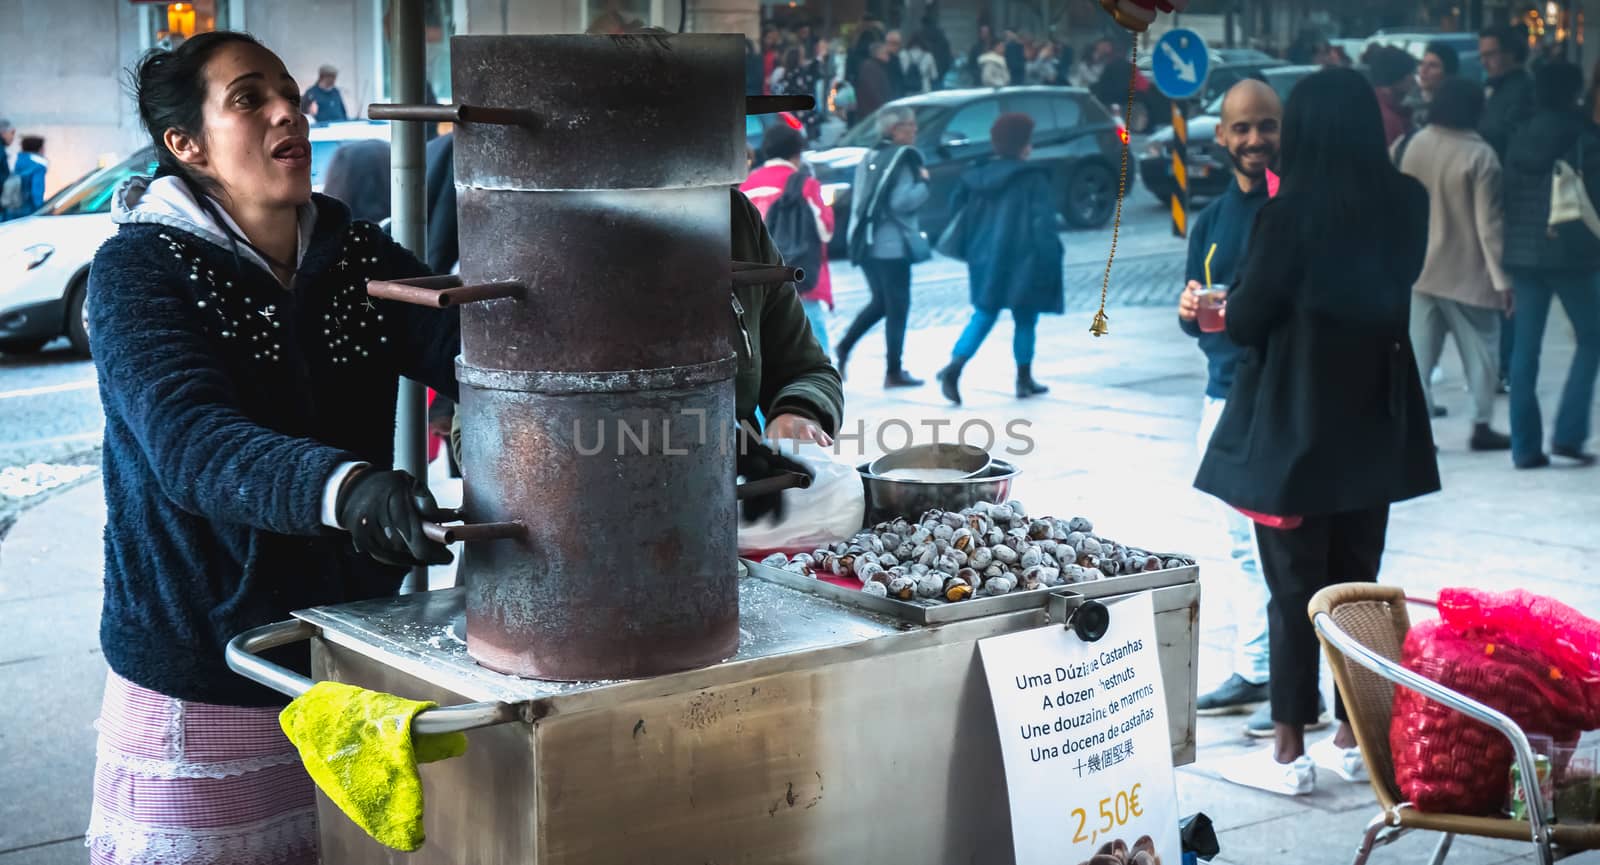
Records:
x=1252, y=117
x=1548, y=262
x=1439, y=63
x=918, y=68
x=22, y=192
x=873, y=87
x=8, y=134
x=789, y=200
x=1392, y=73
x=358, y=175
x=981, y=45
x=1326, y=424
x=1006, y=227
x=1043, y=67
x=1016, y=58
x=1508, y=94
x=241, y=444
x=992, y=70
x=936, y=42
x=322, y=100
x=1463, y=291
x=891, y=184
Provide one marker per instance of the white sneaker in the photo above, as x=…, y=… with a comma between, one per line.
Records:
x=1261, y=770
x=1344, y=762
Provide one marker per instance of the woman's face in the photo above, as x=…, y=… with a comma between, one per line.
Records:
x=254, y=140
x=1430, y=72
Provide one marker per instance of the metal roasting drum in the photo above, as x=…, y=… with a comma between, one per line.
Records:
x=597, y=351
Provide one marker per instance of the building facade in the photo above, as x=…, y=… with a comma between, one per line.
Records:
x=66, y=61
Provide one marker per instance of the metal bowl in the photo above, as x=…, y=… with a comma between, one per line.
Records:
x=888, y=498
x=936, y=462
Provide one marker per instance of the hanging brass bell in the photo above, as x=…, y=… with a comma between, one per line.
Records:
x=1099, y=328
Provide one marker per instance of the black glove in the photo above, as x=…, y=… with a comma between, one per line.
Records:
x=384, y=512
x=757, y=461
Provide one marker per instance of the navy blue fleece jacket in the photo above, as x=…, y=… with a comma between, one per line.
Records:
x=229, y=403
x=1226, y=222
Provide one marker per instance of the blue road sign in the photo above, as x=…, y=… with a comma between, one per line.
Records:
x=1181, y=64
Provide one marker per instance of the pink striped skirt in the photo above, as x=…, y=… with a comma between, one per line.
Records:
x=181, y=783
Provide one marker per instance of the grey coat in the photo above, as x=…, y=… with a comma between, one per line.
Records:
x=888, y=216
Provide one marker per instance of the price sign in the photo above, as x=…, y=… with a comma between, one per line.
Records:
x=1083, y=730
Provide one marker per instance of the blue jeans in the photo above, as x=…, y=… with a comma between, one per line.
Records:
x=1580, y=297
x=817, y=314
x=1022, y=339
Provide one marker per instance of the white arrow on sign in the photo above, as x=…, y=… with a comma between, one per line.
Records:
x=1186, y=71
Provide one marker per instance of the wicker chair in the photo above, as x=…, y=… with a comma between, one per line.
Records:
x=1362, y=627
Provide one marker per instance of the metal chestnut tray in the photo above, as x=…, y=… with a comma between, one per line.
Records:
x=932, y=612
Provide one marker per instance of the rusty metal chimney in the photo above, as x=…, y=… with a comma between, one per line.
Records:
x=593, y=179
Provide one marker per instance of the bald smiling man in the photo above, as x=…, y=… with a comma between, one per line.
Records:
x=1251, y=115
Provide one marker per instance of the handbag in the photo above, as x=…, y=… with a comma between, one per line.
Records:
x=1569, y=197
x=917, y=246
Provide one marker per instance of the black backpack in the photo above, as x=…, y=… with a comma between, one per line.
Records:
x=793, y=227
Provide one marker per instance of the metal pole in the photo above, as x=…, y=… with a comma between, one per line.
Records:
x=406, y=211
x=1180, y=168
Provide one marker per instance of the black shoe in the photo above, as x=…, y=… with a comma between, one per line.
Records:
x=901, y=378
x=1439, y=411
x=1233, y=697
x=1538, y=461
x=1486, y=439
x=1577, y=455
x=1026, y=386
x=949, y=378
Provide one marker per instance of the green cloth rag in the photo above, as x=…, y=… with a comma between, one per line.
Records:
x=357, y=745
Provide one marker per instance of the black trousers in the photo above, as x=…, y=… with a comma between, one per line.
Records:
x=1298, y=563
x=890, y=282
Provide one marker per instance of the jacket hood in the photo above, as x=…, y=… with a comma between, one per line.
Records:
x=167, y=201
x=1548, y=136
x=995, y=176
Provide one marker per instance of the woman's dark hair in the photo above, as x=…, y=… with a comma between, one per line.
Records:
x=32, y=144
x=1511, y=40
x=1336, y=166
x=1458, y=104
x=1556, y=85
x=1390, y=66
x=793, y=59
x=1011, y=134
x=1448, y=58
x=782, y=141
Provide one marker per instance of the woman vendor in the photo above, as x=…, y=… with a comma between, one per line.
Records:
x=249, y=389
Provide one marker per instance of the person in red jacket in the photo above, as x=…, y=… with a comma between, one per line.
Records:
x=783, y=146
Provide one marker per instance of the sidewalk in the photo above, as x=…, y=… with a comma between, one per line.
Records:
x=1114, y=441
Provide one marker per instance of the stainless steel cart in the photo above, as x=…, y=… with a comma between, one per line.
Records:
x=837, y=733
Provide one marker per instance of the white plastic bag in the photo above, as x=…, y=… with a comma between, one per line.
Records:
x=827, y=512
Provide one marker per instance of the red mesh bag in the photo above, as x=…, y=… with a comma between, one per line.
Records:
x=1545, y=626
x=1447, y=762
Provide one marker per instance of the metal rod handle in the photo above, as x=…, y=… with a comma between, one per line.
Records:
x=774, y=484
x=444, y=534
x=420, y=291
x=774, y=104
x=768, y=273
x=456, y=114
x=243, y=659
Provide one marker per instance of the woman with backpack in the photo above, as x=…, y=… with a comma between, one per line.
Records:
x=1005, y=228
x=789, y=199
x=1552, y=261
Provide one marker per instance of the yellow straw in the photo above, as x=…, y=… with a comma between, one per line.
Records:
x=1208, y=265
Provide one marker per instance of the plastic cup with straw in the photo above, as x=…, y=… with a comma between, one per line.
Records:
x=1212, y=300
